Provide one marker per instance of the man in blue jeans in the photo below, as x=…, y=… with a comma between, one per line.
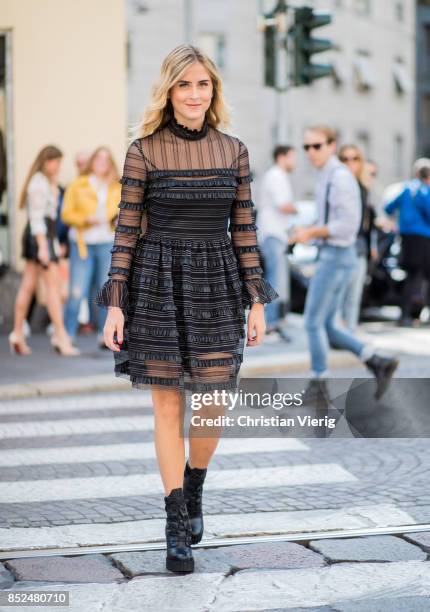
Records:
x=338, y=208
x=275, y=208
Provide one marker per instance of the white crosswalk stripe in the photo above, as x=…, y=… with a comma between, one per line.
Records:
x=67, y=427
x=144, y=450
x=149, y=484
x=84, y=402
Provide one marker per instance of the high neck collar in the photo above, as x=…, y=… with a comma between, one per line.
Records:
x=184, y=132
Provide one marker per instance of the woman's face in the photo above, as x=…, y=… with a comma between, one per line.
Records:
x=352, y=159
x=51, y=167
x=101, y=163
x=191, y=95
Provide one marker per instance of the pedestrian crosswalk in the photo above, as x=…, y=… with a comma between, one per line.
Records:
x=51, y=509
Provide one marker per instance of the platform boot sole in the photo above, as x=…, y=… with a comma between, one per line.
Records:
x=180, y=565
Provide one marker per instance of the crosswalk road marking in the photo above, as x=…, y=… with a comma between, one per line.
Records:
x=32, y=429
x=140, y=450
x=102, y=487
x=150, y=484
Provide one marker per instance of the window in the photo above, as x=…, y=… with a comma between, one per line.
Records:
x=363, y=141
x=399, y=146
x=364, y=71
x=362, y=6
x=213, y=44
x=399, y=9
x=425, y=112
x=340, y=71
x=402, y=80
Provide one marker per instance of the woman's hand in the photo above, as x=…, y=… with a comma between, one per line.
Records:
x=43, y=253
x=256, y=322
x=93, y=220
x=114, y=323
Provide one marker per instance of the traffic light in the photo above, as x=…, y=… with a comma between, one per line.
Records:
x=270, y=56
x=305, y=46
x=273, y=26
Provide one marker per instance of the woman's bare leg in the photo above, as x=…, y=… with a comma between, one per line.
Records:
x=25, y=295
x=203, y=440
x=54, y=303
x=169, y=439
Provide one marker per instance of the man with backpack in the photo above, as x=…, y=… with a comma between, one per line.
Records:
x=339, y=213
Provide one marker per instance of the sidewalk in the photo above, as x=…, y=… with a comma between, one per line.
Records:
x=45, y=372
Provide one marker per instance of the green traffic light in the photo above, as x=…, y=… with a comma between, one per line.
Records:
x=305, y=46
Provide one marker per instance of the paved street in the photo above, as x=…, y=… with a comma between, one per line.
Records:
x=80, y=470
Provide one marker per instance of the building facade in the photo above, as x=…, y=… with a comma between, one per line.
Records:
x=370, y=99
x=423, y=78
x=63, y=82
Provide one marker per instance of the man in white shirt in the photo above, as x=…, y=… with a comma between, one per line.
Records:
x=274, y=211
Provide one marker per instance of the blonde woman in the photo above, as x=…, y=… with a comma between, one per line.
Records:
x=179, y=284
x=353, y=157
x=90, y=209
x=41, y=250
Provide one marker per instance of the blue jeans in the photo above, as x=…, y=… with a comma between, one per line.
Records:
x=82, y=271
x=326, y=291
x=351, y=304
x=275, y=273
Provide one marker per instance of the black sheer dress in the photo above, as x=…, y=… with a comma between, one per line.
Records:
x=182, y=281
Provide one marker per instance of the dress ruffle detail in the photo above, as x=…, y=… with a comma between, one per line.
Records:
x=257, y=287
x=127, y=229
x=152, y=174
x=188, y=133
x=242, y=180
x=190, y=195
x=132, y=205
x=243, y=203
x=126, y=180
x=242, y=227
x=113, y=293
x=209, y=182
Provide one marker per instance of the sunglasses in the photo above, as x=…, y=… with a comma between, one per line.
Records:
x=317, y=146
x=355, y=158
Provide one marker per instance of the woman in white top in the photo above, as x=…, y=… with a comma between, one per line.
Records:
x=40, y=250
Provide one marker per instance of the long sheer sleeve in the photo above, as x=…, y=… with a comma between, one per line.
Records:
x=244, y=238
x=131, y=219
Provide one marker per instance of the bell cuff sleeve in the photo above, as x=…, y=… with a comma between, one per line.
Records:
x=244, y=238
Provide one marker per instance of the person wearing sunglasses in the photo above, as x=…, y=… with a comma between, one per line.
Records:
x=353, y=158
x=338, y=209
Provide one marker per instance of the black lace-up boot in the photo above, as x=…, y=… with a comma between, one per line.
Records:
x=193, y=489
x=178, y=533
x=383, y=369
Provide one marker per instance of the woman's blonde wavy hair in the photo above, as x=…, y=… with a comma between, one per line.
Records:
x=160, y=110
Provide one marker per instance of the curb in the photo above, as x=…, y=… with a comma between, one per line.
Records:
x=255, y=366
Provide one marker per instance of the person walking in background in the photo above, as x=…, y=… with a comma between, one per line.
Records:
x=353, y=158
x=81, y=160
x=339, y=210
x=274, y=212
x=411, y=206
x=90, y=208
x=41, y=252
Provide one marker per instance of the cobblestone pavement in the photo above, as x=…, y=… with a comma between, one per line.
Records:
x=61, y=460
